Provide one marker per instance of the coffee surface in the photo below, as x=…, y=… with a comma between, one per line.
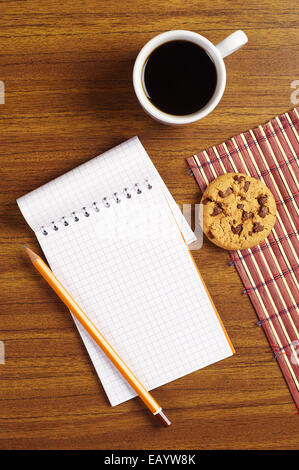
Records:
x=179, y=77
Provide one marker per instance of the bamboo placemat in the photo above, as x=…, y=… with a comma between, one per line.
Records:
x=269, y=271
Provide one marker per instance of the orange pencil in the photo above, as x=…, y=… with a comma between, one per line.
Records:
x=67, y=299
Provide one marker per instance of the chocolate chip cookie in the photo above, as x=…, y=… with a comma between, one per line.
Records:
x=238, y=211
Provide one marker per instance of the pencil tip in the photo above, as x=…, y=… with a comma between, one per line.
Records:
x=33, y=256
x=164, y=420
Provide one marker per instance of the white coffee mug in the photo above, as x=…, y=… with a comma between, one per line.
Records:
x=217, y=53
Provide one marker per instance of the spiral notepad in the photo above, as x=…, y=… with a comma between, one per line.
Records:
x=111, y=233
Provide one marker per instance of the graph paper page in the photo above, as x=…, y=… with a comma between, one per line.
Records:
x=129, y=269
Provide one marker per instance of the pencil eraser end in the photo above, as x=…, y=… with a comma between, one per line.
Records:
x=162, y=418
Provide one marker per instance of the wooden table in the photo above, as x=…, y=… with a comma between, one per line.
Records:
x=67, y=70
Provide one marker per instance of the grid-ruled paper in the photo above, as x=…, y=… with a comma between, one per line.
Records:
x=129, y=269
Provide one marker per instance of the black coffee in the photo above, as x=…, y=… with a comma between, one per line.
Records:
x=179, y=77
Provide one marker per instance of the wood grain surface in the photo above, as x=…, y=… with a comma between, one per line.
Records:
x=67, y=70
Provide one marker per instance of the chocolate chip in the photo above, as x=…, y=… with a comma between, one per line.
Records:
x=242, y=198
x=234, y=221
x=263, y=211
x=206, y=200
x=240, y=206
x=217, y=210
x=210, y=234
x=262, y=200
x=246, y=186
x=247, y=215
x=250, y=232
x=239, y=179
x=257, y=227
x=226, y=193
x=238, y=229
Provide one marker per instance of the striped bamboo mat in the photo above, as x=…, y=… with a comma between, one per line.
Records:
x=270, y=270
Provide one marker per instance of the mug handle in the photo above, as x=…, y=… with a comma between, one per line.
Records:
x=232, y=43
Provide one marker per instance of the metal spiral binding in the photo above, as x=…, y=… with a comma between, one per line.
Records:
x=106, y=202
x=64, y=221
x=137, y=188
x=95, y=207
x=75, y=217
x=85, y=212
x=54, y=226
x=116, y=198
x=127, y=193
x=148, y=184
